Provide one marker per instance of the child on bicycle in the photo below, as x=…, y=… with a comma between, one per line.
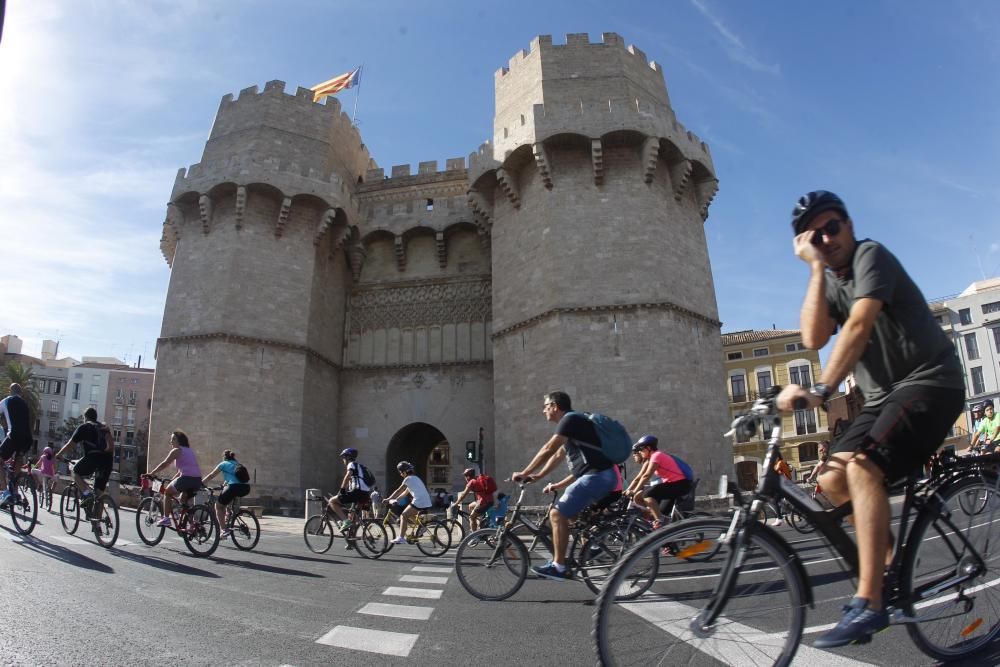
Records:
x=414, y=487
x=186, y=482
x=44, y=471
x=233, y=487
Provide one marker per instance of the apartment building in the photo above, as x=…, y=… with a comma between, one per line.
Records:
x=126, y=409
x=754, y=362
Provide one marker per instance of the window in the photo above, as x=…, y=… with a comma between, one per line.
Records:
x=74, y=410
x=52, y=425
x=76, y=391
x=40, y=386
x=97, y=379
x=131, y=417
x=978, y=387
x=739, y=387
x=809, y=451
x=805, y=422
x=117, y=434
x=734, y=356
x=77, y=376
x=132, y=395
x=992, y=307
x=129, y=435
x=430, y=205
x=964, y=316
x=971, y=346
x=996, y=338
x=763, y=381
x=95, y=393
x=800, y=374
x=54, y=408
x=55, y=387
x=118, y=415
x=760, y=352
x=119, y=396
x=789, y=347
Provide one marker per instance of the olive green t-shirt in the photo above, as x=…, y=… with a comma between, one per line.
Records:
x=907, y=347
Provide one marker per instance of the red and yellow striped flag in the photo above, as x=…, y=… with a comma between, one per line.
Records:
x=336, y=84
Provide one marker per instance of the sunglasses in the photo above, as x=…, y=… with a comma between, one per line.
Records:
x=830, y=229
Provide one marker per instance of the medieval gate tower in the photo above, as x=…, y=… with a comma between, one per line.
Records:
x=316, y=304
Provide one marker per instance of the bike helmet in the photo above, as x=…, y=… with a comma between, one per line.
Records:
x=47, y=451
x=404, y=466
x=350, y=453
x=469, y=472
x=813, y=203
x=645, y=441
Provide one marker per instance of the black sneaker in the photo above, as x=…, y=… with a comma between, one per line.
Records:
x=856, y=626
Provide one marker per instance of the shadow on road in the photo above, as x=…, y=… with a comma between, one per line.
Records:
x=63, y=554
x=311, y=559
x=162, y=563
x=260, y=567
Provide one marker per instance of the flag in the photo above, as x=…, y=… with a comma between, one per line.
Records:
x=336, y=84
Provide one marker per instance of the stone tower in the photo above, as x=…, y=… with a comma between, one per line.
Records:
x=250, y=348
x=317, y=303
x=596, y=199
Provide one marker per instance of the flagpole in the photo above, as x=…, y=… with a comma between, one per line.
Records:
x=357, y=94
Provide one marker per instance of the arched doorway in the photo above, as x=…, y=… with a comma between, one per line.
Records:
x=746, y=475
x=426, y=448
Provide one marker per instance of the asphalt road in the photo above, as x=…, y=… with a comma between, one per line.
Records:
x=69, y=601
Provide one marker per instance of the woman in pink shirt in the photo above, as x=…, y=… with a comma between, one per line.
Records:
x=186, y=482
x=44, y=471
x=674, y=476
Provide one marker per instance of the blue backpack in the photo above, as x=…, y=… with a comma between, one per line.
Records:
x=685, y=468
x=616, y=445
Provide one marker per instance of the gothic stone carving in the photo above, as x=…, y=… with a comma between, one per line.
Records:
x=420, y=305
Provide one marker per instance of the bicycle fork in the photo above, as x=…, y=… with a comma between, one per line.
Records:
x=703, y=624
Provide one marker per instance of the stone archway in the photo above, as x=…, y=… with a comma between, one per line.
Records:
x=414, y=443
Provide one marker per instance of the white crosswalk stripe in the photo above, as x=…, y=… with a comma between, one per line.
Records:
x=420, y=579
x=397, y=611
x=402, y=591
x=372, y=641
x=433, y=570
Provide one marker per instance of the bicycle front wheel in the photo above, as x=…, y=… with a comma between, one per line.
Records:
x=69, y=509
x=491, y=564
x=761, y=606
x=200, y=530
x=24, y=511
x=106, y=523
x=370, y=538
x=245, y=530
x=598, y=554
x=318, y=534
x=955, y=621
x=146, y=519
x=433, y=538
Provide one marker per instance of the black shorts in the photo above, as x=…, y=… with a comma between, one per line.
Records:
x=11, y=446
x=98, y=464
x=903, y=432
x=233, y=491
x=186, y=484
x=481, y=509
x=669, y=490
x=357, y=496
x=606, y=502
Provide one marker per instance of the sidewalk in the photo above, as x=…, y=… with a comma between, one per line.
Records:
x=282, y=524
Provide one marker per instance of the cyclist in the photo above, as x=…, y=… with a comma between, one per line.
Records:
x=414, y=487
x=483, y=486
x=905, y=367
x=186, y=482
x=98, y=456
x=674, y=474
x=352, y=488
x=824, y=454
x=988, y=431
x=591, y=474
x=44, y=471
x=233, y=487
x=782, y=469
x=15, y=413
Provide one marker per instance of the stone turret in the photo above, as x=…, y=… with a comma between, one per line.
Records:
x=595, y=198
x=250, y=351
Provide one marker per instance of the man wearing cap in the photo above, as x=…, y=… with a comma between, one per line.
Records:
x=904, y=365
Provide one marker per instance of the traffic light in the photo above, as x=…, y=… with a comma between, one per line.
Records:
x=470, y=450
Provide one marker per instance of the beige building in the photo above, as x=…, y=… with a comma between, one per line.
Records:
x=317, y=301
x=755, y=361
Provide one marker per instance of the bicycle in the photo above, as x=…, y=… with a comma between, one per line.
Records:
x=456, y=518
x=23, y=503
x=492, y=563
x=196, y=524
x=430, y=534
x=750, y=609
x=46, y=493
x=243, y=526
x=319, y=531
x=102, y=512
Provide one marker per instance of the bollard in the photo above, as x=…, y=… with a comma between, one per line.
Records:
x=723, y=485
x=314, y=502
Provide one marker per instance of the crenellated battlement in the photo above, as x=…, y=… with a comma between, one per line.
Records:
x=575, y=42
x=284, y=174
x=402, y=174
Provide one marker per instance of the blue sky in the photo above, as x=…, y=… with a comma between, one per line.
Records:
x=891, y=104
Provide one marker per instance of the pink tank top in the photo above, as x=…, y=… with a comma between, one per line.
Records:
x=47, y=466
x=187, y=463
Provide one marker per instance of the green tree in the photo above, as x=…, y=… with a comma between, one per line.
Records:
x=15, y=371
x=68, y=428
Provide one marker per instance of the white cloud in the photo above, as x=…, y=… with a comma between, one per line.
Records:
x=734, y=46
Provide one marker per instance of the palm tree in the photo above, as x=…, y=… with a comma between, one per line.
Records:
x=13, y=372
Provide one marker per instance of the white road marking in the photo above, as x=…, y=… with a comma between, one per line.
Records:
x=373, y=641
x=732, y=642
x=397, y=611
x=438, y=570
x=401, y=591
x=419, y=579
x=13, y=538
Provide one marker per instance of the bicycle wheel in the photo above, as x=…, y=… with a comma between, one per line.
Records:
x=455, y=529
x=146, y=517
x=596, y=557
x=799, y=522
x=705, y=546
x=106, y=523
x=318, y=534
x=433, y=538
x=200, y=530
x=955, y=621
x=45, y=495
x=762, y=606
x=69, y=509
x=24, y=511
x=390, y=535
x=492, y=564
x=538, y=549
x=245, y=530
x=369, y=538
x=973, y=500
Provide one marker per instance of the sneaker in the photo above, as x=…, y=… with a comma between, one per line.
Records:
x=344, y=526
x=551, y=571
x=5, y=497
x=856, y=626
x=775, y=522
x=226, y=533
x=399, y=540
x=164, y=522
x=657, y=525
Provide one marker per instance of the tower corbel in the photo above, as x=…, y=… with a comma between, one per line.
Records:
x=509, y=187
x=705, y=192
x=597, y=159
x=542, y=163
x=325, y=223
x=680, y=174
x=650, y=158
x=205, y=209
x=356, y=255
x=241, y=205
x=286, y=206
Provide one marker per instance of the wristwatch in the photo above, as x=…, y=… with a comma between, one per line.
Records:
x=821, y=391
